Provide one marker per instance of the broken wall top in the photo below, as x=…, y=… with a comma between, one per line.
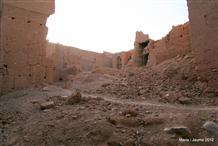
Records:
x=40, y=6
x=141, y=37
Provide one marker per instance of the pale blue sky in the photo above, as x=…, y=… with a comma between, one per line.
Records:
x=110, y=25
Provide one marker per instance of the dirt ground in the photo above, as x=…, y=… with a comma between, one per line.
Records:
x=128, y=107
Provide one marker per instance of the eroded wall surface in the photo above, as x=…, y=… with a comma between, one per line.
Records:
x=64, y=60
x=23, y=42
x=176, y=42
x=203, y=15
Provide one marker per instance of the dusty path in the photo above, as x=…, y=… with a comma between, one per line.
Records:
x=147, y=103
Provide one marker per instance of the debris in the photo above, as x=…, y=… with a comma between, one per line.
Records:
x=153, y=121
x=130, y=113
x=74, y=98
x=47, y=105
x=111, y=120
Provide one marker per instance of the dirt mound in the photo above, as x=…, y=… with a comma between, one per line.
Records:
x=173, y=81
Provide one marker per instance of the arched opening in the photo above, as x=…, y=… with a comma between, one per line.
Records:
x=119, y=62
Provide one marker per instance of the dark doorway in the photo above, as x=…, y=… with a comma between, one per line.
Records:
x=145, y=59
x=144, y=44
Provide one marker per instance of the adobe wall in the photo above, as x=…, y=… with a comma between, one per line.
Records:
x=176, y=42
x=23, y=43
x=63, y=60
x=203, y=17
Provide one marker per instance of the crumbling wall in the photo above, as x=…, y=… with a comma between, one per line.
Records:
x=64, y=60
x=203, y=16
x=23, y=42
x=176, y=42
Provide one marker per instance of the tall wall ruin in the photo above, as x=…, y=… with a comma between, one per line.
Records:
x=176, y=42
x=141, y=41
x=23, y=42
x=203, y=16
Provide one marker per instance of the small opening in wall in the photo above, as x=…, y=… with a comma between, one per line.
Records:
x=28, y=21
x=181, y=36
x=30, y=75
x=12, y=18
x=5, y=66
x=45, y=77
x=60, y=79
x=40, y=24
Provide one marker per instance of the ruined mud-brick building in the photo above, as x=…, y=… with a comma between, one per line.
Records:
x=25, y=62
x=149, y=52
x=23, y=43
x=65, y=60
x=203, y=17
x=176, y=42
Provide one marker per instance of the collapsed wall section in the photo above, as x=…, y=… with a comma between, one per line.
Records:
x=203, y=16
x=23, y=43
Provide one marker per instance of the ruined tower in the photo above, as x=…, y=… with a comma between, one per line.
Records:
x=141, y=41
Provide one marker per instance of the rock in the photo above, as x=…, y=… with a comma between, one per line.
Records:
x=64, y=97
x=47, y=105
x=76, y=97
x=153, y=121
x=130, y=113
x=211, y=127
x=181, y=131
x=45, y=89
x=184, y=100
